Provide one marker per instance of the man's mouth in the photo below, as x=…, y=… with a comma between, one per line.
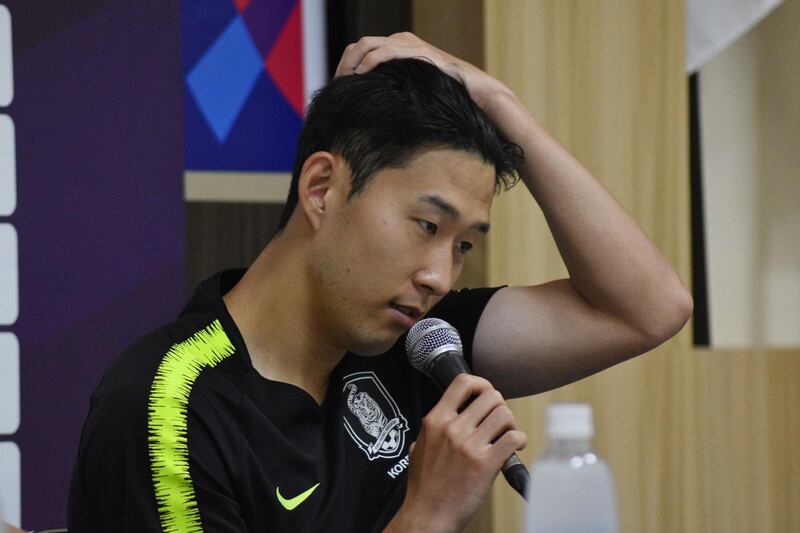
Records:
x=412, y=312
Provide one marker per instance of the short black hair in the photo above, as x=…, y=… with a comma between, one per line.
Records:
x=383, y=118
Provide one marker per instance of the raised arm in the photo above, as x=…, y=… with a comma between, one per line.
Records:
x=622, y=297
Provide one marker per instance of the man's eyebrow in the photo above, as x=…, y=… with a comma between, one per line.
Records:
x=450, y=210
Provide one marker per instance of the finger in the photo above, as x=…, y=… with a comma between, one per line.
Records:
x=340, y=68
x=383, y=54
x=510, y=442
x=463, y=387
x=355, y=52
x=497, y=423
x=411, y=448
x=480, y=408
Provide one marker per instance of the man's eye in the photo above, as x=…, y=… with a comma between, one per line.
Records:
x=430, y=227
x=464, y=247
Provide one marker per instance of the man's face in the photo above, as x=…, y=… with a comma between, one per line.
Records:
x=386, y=256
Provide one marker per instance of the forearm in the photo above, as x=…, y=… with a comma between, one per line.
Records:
x=398, y=524
x=612, y=264
x=409, y=521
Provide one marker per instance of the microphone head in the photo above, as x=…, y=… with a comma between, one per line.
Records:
x=429, y=338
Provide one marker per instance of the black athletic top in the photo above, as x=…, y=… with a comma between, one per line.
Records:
x=183, y=434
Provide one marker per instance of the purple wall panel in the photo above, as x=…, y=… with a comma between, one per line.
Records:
x=100, y=217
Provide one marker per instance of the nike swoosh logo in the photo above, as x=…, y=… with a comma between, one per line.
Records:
x=291, y=503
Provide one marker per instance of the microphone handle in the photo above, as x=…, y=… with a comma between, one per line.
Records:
x=517, y=475
x=443, y=371
x=445, y=368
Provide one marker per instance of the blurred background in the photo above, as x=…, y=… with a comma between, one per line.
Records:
x=146, y=145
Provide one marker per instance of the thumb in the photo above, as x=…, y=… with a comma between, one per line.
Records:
x=411, y=448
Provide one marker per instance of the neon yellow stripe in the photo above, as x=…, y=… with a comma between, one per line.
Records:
x=168, y=402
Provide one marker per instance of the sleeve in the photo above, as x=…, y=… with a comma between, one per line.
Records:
x=120, y=483
x=111, y=488
x=462, y=309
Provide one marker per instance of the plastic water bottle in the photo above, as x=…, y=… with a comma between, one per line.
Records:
x=571, y=489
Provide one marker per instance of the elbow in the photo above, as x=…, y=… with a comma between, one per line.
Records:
x=682, y=311
x=670, y=317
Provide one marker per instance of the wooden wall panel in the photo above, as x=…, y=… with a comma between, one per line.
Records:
x=698, y=440
x=226, y=235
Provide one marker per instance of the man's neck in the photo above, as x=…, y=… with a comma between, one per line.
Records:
x=272, y=306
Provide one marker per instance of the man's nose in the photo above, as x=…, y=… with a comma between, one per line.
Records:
x=437, y=274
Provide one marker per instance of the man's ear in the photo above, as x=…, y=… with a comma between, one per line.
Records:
x=318, y=186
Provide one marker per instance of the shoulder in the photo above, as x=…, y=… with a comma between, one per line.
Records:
x=165, y=361
x=141, y=413
x=144, y=396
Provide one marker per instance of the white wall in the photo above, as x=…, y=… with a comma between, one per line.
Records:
x=750, y=115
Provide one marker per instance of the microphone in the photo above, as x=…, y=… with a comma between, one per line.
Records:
x=434, y=348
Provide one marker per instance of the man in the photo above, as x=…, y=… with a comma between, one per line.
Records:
x=281, y=398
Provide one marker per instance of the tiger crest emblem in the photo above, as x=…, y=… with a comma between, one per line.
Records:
x=372, y=418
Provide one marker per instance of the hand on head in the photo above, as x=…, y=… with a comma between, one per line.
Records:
x=369, y=52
